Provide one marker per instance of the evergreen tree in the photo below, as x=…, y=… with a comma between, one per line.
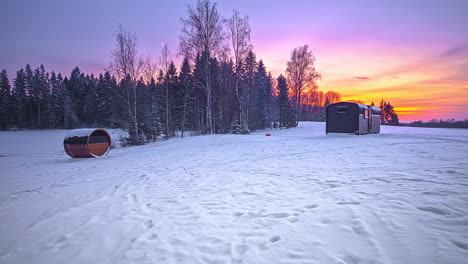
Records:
x=286, y=114
x=228, y=101
x=77, y=91
x=217, y=113
x=260, y=111
x=40, y=89
x=54, y=110
x=90, y=107
x=382, y=111
x=19, y=98
x=5, y=102
x=153, y=124
x=70, y=117
x=184, y=96
x=247, y=83
x=387, y=114
x=29, y=79
x=200, y=105
x=171, y=84
x=104, y=89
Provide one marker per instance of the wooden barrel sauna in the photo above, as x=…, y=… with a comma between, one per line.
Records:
x=87, y=143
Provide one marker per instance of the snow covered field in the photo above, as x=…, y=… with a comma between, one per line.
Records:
x=299, y=196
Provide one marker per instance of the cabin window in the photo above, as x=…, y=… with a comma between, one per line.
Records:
x=342, y=109
x=366, y=113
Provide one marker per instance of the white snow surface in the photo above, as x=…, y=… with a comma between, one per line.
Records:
x=299, y=196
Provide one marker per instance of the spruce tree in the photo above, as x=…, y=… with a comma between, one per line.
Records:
x=262, y=92
x=70, y=118
x=40, y=88
x=286, y=114
x=29, y=80
x=19, y=98
x=184, y=96
x=53, y=101
x=5, y=102
x=247, y=82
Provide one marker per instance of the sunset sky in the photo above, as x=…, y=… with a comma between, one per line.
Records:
x=411, y=53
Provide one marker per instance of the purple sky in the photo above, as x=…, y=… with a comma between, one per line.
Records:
x=378, y=40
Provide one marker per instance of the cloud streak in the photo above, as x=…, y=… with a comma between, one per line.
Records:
x=362, y=78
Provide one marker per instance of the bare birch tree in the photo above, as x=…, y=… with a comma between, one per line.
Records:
x=125, y=61
x=202, y=35
x=239, y=38
x=151, y=71
x=164, y=61
x=301, y=74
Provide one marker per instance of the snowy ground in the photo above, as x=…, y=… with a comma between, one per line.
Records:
x=299, y=196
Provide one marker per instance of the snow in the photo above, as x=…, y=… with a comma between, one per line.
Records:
x=299, y=196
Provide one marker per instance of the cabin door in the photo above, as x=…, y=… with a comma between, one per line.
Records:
x=370, y=119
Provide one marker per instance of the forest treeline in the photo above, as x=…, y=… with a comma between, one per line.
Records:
x=448, y=123
x=37, y=99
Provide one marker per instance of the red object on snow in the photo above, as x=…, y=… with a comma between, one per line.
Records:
x=268, y=135
x=87, y=143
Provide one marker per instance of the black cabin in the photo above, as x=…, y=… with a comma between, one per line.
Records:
x=347, y=117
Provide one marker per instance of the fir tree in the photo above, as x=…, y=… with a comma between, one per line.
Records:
x=184, y=96
x=40, y=89
x=262, y=92
x=5, y=102
x=70, y=118
x=247, y=83
x=286, y=114
x=19, y=98
x=54, y=110
x=29, y=77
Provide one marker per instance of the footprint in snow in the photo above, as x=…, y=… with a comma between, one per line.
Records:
x=348, y=203
x=266, y=245
x=149, y=223
x=277, y=215
x=238, y=251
